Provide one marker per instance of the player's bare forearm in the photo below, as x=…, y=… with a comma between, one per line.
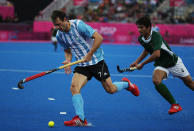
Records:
x=139, y=59
x=68, y=58
x=97, y=42
x=68, y=55
x=142, y=56
x=153, y=57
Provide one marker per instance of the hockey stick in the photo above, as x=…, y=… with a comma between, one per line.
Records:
x=45, y=73
x=129, y=69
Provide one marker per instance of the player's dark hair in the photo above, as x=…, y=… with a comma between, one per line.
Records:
x=58, y=13
x=145, y=20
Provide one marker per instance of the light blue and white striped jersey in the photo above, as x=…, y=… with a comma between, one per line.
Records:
x=79, y=40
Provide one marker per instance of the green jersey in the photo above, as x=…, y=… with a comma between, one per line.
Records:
x=156, y=42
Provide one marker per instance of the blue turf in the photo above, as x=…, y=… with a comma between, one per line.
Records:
x=30, y=110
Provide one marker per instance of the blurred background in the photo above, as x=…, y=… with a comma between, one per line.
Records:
x=114, y=19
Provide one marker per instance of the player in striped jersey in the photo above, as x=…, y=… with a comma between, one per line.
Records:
x=165, y=60
x=84, y=42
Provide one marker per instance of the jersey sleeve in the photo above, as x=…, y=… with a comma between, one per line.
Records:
x=85, y=29
x=156, y=41
x=61, y=41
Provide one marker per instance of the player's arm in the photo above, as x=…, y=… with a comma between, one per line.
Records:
x=142, y=56
x=68, y=58
x=68, y=55
x=67, y=50
x=88, y=31
x=139, y=59
x=156, y=43
x=151, y=58
x=97, y=42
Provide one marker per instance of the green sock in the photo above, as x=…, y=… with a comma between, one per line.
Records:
x=163, y=90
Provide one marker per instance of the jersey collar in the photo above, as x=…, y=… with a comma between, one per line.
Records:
x=149, y=38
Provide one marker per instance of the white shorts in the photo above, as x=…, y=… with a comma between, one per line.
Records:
x=54, y=39
x=179, y=70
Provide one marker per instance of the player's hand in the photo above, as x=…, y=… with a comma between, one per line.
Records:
x=134, y=64
x=140, y=66
x=88, y=57
x=67, y=69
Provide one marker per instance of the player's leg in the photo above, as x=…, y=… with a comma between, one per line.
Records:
x=159, y=74
x=188, y=82
x=179, y=70
x=78, y=81
x=101, y=73
x=118, y=86
x=157, y=78
x=131, y=87
x=109, y=86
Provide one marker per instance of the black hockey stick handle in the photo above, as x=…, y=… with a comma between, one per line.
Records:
x=129, y=69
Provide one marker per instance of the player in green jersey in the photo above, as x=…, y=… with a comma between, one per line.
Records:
x=165, y=61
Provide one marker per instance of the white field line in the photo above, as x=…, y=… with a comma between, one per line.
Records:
x=53, y=53
x=61, y=72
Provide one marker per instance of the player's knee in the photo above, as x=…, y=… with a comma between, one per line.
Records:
x=110, y=91
x=74, y=89
x=156, y=81
x=191, y=85
x=110, y=88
